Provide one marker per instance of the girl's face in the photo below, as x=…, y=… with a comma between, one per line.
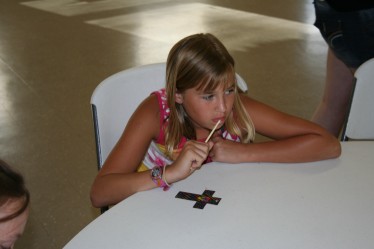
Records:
x=12, y=229
x=205, y=108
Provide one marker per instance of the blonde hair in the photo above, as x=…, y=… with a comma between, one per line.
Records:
x=201, y=61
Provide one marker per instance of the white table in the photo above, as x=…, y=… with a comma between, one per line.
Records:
x=321, y=205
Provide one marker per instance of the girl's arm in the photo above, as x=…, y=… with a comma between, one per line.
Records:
x=118, y=178
x=295, y=139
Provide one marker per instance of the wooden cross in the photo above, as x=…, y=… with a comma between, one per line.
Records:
x=201, y=200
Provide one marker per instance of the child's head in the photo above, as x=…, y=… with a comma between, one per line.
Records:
x=201, y=62
x=14, y=202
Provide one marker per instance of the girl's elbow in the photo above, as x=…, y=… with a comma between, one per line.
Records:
x=335, y=148
x=338, y=150
x=96, y=201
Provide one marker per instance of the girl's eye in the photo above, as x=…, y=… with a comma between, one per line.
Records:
x=229, y=91
x=208, y=97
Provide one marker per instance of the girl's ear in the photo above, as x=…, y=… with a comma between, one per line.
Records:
x=179, y=98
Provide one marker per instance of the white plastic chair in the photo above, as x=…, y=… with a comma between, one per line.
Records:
x=360, y=120
x=116, y=98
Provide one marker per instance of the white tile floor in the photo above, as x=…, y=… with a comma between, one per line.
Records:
x=54, y=53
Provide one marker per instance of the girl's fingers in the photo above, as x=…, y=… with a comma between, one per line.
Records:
x=193, y=155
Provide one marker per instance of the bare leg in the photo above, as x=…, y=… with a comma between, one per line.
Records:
x=338, y=89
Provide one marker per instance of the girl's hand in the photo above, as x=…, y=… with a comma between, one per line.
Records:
x=191, y=158
x=225, y=150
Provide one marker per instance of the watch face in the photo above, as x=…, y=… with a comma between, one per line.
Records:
x=156, y=173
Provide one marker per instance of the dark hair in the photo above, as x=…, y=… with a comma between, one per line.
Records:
x=12, y=185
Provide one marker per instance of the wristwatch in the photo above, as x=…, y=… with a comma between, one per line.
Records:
x=157, y=177
x=156, y=174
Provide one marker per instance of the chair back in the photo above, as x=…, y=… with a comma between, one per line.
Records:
x=116, y=98
x=360, y=120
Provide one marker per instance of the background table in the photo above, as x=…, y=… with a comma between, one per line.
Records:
x=327, y=204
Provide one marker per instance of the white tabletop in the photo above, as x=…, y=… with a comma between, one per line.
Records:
x=321, y=205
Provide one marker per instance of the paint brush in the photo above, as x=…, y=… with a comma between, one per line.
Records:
x=211, y=133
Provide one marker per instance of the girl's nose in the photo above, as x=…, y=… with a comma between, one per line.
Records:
x=221, y=105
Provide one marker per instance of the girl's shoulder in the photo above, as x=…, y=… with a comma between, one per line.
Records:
x=161, y=96
x=155, y=100
x=258, y=110
x=248, y=101
x=148, y=110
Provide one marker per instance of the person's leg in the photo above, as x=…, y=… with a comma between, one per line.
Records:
x=332, y=110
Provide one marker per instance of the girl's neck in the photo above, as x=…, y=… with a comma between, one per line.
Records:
x=201, y=133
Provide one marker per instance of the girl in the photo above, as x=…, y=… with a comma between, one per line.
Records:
x=171, y=125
